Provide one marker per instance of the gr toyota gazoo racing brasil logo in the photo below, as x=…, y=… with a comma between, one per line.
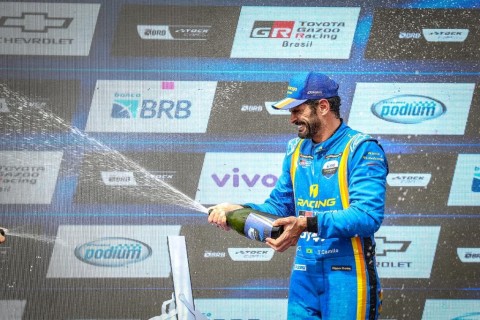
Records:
x=298, y=30
x=272, y=29
x=35, y=22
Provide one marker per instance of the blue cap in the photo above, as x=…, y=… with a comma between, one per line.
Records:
x=311, y=85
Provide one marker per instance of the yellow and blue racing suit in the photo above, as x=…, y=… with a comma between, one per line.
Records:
x=339, y=185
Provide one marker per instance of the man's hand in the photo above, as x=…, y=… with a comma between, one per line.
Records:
x=292, y=229
x=217, y=214
x=2, y=235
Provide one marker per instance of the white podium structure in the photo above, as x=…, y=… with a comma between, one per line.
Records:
x=181, y=306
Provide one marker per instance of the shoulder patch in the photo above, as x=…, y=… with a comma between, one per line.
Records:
x=292, y=144
x=359, y=138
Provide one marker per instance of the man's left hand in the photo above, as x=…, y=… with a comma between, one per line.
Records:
x=292, y=229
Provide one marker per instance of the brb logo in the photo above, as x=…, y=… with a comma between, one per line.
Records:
x=151, y=106
x=148, y=109
x=135, y=107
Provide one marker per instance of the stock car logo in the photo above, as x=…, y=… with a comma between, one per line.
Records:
x=469, y=255
x=408, y=109
x=166, y=32
x=113, y=252
x=437, y=35
x=35, y=22
x=250, y=254
x=445, y=35
x=408, y=179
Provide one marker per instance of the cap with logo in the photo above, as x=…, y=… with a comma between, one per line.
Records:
x=306, y=86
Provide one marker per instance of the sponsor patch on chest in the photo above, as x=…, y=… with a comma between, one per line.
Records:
x=330, y=168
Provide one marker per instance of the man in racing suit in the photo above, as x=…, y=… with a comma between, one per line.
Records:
x=331, y=194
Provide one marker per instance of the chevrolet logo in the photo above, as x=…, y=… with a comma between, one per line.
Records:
x=384, y=246
x=34, y=22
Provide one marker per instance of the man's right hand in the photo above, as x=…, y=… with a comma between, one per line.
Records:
x=217, y=214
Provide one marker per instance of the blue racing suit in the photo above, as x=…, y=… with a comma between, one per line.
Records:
x=341, y=183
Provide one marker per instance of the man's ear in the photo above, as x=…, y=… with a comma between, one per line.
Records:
x=323, y=107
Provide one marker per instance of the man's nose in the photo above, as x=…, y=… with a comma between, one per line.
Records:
x=293, y=118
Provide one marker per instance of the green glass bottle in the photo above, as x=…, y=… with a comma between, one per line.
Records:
x=253, y=224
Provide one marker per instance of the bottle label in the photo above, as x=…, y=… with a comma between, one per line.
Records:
x=258, y=227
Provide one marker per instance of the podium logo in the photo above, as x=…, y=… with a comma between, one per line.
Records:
x=411, y=108
x=106, y=251
x=113, y=252
x=408, y=109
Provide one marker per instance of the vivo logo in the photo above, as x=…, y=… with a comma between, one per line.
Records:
x=113, y=252
x=237, y=179
x=408, y=109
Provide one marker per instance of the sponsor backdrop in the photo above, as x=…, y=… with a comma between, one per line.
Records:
x=122, y=120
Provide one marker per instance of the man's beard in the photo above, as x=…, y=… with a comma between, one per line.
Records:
x=312, y=127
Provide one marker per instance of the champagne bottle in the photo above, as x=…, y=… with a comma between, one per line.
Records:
x=253, y=224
